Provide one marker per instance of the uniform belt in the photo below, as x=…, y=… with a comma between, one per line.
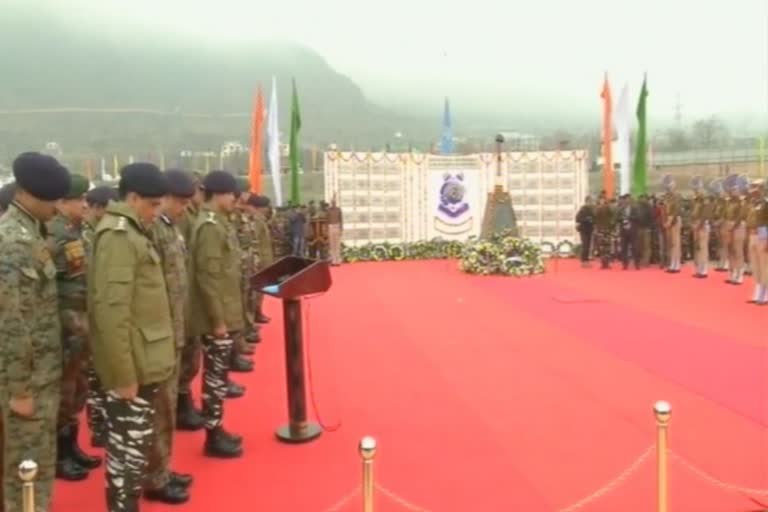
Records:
x=72, y=303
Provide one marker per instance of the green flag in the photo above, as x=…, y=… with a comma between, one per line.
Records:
x=640, y=169
x=295, y=151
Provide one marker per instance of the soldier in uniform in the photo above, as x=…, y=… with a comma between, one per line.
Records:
x=628, y=217
x=98, y=198
x=70, y=256
x=131, y=328
x=724, y=229
x=162, y=484
x=216, y=308
x=188, y=417
x=30, y=331
x=335, y=230
x=701, y=219
x=7, y=192
x=242, y=222
x=604, y=226
x=756, y=246
x=585, y=225
x=760, y=253
x=736, y=215
x=673, y=225
x=264, y=256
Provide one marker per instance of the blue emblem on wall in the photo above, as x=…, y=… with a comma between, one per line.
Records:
x=452, y=194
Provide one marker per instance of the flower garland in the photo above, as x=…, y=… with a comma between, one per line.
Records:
x=503, y=254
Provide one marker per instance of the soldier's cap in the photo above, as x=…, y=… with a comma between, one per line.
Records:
x=6, y=195
x=101, y=196
x=180, y=183
x=143, y=179
x=220, y=182
x=258, y=201
x=79, y=186
x=41, y=176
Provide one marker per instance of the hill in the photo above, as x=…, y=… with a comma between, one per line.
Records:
x=188, y=94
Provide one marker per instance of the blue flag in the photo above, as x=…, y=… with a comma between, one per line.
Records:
x=446, y=140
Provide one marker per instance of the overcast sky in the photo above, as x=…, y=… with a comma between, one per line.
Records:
x=713, y=54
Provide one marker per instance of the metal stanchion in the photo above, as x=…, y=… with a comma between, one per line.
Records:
x=368, y=454
x=663, y=411
x=27, y=473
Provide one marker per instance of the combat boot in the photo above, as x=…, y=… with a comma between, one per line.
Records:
x=234, y=390
x=187, y=417
x=82, y=458
x=170, y=494
x=218, y=445
x=239, y=364
x=67, y=467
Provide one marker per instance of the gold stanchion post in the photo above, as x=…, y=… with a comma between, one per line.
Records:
x=368, y=454
x=27, y=473
x=663, y=411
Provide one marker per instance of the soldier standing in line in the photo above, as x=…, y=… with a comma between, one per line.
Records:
x=585, y=225
x=761, y=249
x=264, y=255
x=336, y=228
x=604, y=225
x=673, y=225
x=736, y=216
x=98, y=198
x=754, y=215
x=30, y=332
x=243, y=225
x=701, y=217
x=162, y=484
x=131, y=328
x=70, y=256
x=188, y=417
x=216, y=308
x=627, y=217
x=724, y=229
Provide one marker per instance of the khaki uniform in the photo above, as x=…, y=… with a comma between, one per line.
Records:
x=723, y=232
x=133, y=344
x=674, y=224
x=215, y=300
x=246, y=237
x=191, y=352
x=31, y=353
x=736, y=215
x=701, y=221
x=173, y=252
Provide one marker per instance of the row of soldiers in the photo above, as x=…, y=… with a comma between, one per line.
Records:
x=111, y=308
x=728, y=221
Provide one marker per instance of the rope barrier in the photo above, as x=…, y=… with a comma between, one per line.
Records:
x=706, y=477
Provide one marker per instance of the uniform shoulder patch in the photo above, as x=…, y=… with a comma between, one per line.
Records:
x=211, y=218
x=166, y=220
x=121, y=225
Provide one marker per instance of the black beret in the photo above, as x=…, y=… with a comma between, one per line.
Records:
x=180, y=183
x=101, y=196
x=258, y=201
x=6, y=195
x=146, y=180
x=41, y=175
x=78, y=186
x=220, y=182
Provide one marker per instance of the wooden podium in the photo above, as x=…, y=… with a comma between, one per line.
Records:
x=290, y=279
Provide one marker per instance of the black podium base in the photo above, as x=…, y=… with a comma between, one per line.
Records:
x=297, y=435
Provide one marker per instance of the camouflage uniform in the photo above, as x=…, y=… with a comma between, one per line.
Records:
x=246, y=237
x=263, y=255
x=215, y=300
x=604, y=233
x=173, y=252
x=31, y=357
x=132, y=343
x=280, y=232
x=95, y=399
x=191, y=352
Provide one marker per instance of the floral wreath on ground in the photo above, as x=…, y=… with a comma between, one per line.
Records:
x=502, y=254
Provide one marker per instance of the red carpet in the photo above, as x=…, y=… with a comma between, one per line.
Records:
x=498, y=394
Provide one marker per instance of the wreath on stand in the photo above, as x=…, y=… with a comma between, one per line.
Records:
x=502, y=254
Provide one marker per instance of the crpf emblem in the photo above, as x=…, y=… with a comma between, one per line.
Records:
x=452, y=192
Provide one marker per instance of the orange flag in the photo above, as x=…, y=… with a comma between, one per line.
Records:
x=608, y=172
x=257, y=145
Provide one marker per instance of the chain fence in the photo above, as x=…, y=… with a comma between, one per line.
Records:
x=609, y=487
